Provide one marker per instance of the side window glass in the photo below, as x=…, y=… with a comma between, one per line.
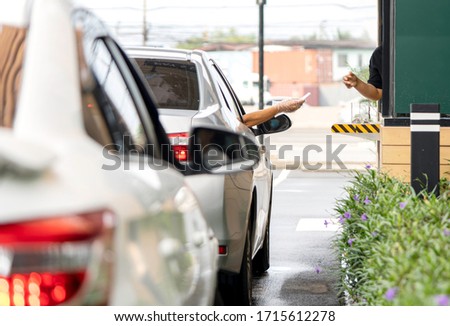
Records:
x=94, y=122
x=113, y=94
x=93, y=117
x=226, y=92
x=174, y=83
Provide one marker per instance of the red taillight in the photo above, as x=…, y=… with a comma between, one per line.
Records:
x=57, y=229
x=39, y=289
x=179, y=142
x=223, y=250
x=47, y=261
x=180, y=152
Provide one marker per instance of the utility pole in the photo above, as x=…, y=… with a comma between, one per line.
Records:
x=144, y=24
x=261, y=4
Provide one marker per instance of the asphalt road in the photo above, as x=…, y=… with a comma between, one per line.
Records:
x=307, y=182
x=303, y=261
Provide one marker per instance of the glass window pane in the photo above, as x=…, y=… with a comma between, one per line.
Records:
x=174, y=83
x=118, y=95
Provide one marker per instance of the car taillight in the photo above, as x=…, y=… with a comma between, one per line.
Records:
x=47, y=261
x=179, y=142
x=223, y=250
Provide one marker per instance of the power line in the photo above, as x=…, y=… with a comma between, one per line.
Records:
x=220, y=7
x=271, y=25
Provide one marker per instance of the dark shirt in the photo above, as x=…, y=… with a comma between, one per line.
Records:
x=375, y=68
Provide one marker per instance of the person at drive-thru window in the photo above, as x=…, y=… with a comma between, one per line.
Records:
x=373, y=88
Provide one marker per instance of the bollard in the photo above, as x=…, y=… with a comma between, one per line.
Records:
x=425, y=146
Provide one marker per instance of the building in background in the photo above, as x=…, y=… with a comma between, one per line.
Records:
x=295, y=68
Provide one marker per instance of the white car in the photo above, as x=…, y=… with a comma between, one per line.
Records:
x=91, y=211
x=191, y=90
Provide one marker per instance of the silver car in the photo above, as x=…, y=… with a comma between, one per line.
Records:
x=191, y=90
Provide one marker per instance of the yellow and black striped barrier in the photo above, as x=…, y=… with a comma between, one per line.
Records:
x=369, y=131
x=356, y=128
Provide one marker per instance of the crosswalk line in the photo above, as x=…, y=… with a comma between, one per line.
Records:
x=316, y=224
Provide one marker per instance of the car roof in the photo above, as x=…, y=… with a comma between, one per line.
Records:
x=169, y=53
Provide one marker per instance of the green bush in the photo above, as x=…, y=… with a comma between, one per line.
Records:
x=394, y=244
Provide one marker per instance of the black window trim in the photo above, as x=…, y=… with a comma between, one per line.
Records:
x=93, y=29
x=238, y=104
x=136, y=95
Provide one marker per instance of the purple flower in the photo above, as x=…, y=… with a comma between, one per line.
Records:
x=367, y=201
x=347, y=215
x=402, y=205
x=318, y=269
x=442, y=300
x=341, y=220
x=390, y=294
x=447, y=232
x=374, y=234
x=364, y=217
x=326, y=223
x=356, y=197
x=368, y=166
x=350, y=241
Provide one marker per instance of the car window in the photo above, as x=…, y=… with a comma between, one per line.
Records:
x=174, y=83
x=227, y=93
x=12, y=40
x=109, y=105
x=121, y=110
x=239, y=106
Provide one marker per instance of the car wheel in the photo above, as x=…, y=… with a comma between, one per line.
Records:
x=261, y=263
x=245, y=277
x=218, y=301
x=238, y=292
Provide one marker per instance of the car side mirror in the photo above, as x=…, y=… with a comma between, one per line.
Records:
x=220, y=151
x=274, y=125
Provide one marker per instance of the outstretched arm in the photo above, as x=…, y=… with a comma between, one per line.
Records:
x=367, y=90
x=257, y=117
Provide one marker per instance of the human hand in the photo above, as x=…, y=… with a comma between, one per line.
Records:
x=350, y=80
x=290, y=105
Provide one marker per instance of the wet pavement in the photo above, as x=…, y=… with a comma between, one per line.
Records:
x=304, y=264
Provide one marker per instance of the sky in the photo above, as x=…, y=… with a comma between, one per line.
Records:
x=170, y=21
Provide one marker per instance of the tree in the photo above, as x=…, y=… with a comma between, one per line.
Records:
x=218, y=36
x=344, y=35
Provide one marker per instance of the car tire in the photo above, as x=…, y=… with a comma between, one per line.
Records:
x=238, y=291
x=261, y=262
x=218, y=301
x=245, y=277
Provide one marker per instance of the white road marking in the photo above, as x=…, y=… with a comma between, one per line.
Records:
x=317, y=224
x=279, y=268
x=283, y=176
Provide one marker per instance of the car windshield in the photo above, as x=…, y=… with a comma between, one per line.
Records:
x=174, y=83
x=12, y=40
